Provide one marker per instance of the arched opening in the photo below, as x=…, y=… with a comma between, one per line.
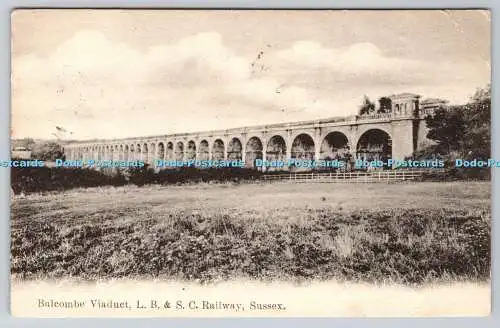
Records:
x=152, y=152
x=138, y=153
x=126, y=153
x=170, y=151
x=218, y=150
x=179, y=151
x=335, y=146
x=276, y=151
x=132, y=155
x=204, y=151
x=191, y=150
x=120, y=153
x=161, y=151
x=234, y=149
x=303, y=147
x=145, y=153
x=254, y=150
x=373, y=145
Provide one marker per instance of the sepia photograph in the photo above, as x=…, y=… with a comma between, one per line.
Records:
x=250, y=163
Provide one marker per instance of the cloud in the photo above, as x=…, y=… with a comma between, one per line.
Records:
x=357, y=64
x=97, y=87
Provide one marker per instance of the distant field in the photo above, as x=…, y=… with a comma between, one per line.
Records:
x=404, y=233
x=262, y=196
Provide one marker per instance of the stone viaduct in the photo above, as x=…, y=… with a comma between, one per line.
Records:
x=394, y=134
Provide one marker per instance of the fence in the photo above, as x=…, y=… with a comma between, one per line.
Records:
x=351, y=177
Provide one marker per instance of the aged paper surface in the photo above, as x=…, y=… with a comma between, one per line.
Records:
x=201, y=163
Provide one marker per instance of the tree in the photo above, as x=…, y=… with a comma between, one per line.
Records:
x=464, y=130
x=27, y=143
x=367, y=107
x=47, y=151
x=446, y=127
x=385, y=105
x=477, y=113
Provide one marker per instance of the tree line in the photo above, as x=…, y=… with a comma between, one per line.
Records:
x=463, y=131
x=45, y=150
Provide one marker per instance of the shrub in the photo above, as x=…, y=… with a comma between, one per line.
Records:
x=29, y=180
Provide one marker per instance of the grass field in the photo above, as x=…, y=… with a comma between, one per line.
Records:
x=402, y=233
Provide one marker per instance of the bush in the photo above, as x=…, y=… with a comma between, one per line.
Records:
x=40, y=179
x=29, y=180
x=457, y=174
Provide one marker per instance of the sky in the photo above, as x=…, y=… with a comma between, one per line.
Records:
x=130, y=73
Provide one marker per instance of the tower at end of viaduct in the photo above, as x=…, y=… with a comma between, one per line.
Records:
x=395, y=131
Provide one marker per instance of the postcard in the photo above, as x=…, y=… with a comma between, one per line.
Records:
x=250, y=163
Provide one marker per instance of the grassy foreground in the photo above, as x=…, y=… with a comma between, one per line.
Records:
x=401, y=233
